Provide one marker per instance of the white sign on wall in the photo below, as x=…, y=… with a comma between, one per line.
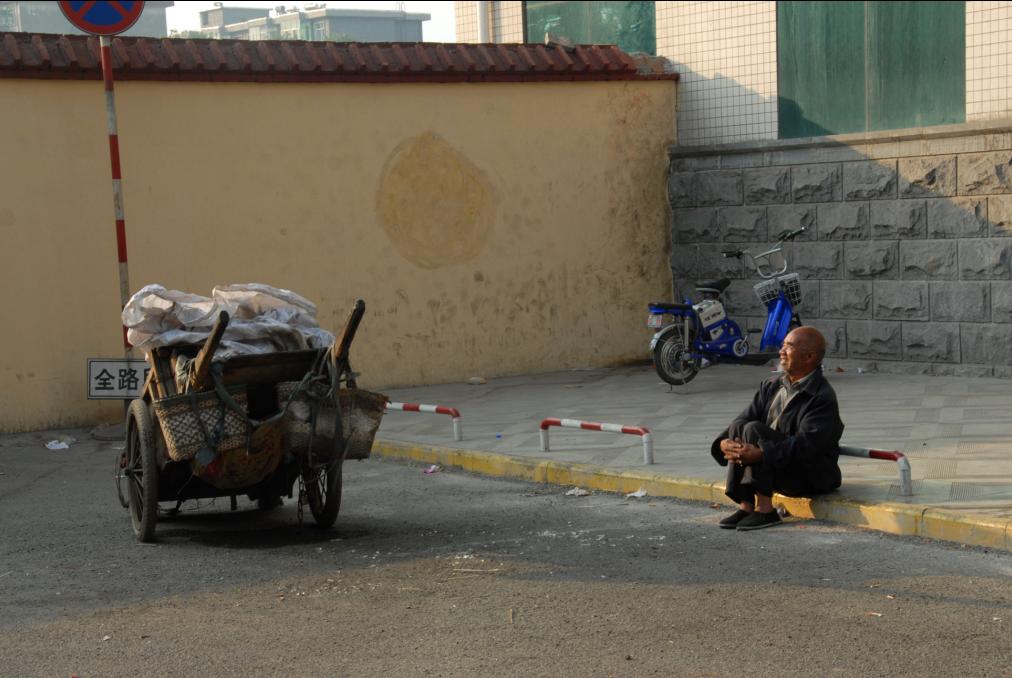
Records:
x=116, y=379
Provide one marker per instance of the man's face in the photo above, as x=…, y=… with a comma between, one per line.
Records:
x=796, y=357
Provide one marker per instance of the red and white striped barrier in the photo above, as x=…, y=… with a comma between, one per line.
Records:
x=458, y=435
x=642, y=431
x=906, y=485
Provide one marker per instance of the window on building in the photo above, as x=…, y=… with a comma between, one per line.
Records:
x=320, y=30
x=630, y=25
x=861, y=66
x=7, y=18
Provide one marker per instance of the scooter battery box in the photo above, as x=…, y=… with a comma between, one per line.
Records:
x=710, y=312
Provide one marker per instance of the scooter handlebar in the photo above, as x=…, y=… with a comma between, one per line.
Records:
x=788, y=234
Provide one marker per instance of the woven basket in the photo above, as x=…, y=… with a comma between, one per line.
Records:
x=361, y=412
x=183, y=434
x=297, y=425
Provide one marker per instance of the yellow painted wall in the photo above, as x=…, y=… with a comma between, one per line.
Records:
x=492, y=229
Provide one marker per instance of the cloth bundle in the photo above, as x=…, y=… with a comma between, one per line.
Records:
x=263, y=319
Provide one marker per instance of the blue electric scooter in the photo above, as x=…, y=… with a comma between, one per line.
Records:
x=691, y=336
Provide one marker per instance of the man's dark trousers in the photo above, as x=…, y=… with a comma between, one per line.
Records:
x=766, y=479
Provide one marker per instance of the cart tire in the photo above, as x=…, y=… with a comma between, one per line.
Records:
x=121, y=479
x=323, y=492
x=142, y=469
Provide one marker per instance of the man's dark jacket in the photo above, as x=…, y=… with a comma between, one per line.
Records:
x=812, y=426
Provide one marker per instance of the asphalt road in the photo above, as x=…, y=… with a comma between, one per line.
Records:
x=455, y=575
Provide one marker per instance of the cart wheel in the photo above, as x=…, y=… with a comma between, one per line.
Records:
x=121, y=479
x=141, y=472
x=323, y=490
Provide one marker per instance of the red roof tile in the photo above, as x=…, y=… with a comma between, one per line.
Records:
x=27, y=55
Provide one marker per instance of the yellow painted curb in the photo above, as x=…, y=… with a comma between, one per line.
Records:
x=901, y=519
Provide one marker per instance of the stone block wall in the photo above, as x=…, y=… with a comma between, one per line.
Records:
x=905, y=264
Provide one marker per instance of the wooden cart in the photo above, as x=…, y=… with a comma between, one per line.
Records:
x=252, y=425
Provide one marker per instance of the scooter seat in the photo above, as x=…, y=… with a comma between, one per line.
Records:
x=668, y=306
x=715, y=286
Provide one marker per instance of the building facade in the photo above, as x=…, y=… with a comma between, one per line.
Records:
x=46, y=17
x=313, y=22
x=884, y=128
x=774, y=70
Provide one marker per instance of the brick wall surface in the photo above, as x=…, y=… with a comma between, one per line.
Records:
x=905, y=264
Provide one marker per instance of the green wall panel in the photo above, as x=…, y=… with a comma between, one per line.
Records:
x=630, y=25
x=855, y=66
x=916, y=57
x=820, y=49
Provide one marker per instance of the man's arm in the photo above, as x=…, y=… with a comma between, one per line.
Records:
x=819, y=430
x=756, y=411
x=715, y=450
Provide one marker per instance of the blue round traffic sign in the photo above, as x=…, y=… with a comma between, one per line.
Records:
x=99, y=17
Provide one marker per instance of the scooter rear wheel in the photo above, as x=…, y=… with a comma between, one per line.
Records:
x=671, y=357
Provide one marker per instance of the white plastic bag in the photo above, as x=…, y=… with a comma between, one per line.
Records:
x=262, y=319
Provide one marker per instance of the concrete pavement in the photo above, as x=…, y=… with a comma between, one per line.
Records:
x=956, y=432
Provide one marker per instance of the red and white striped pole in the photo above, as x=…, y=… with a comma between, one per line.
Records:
x=642, y=431
x=902, y=464
x=453, y=412
x=117, y=180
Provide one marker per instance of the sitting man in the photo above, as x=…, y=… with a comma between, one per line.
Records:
x=787, y=440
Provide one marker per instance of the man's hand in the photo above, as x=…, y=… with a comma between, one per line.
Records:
x=737, y=452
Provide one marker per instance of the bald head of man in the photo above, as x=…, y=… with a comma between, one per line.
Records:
x=802, y=351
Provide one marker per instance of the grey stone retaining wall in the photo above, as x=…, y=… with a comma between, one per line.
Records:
x=906, y=263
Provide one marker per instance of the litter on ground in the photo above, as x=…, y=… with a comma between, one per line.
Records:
x=62, y=442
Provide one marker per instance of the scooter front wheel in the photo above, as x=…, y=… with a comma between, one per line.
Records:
x=672, y=357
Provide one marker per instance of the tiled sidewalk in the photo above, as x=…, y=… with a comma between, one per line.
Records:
x=956, y=432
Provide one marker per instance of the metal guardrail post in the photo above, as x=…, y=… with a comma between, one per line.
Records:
x=458, y=433
x=902, y=463
x=641, y=431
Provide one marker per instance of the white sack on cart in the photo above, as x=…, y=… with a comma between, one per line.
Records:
x=154, y=309
x=262, y=319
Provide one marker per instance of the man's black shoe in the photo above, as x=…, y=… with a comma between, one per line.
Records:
x=757, y=521
x=732, y=520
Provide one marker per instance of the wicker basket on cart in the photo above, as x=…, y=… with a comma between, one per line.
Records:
x=189, y=420
x=360, y=412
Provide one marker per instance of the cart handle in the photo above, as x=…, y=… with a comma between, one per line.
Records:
x=202, y=363
x=341, y=348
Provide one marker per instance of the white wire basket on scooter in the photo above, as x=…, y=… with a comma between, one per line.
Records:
x=769, y=290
